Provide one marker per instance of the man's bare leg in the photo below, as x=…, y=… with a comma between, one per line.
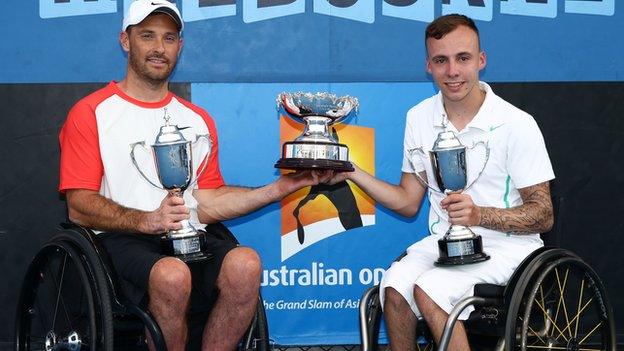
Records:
x=400, y=321
x=169, y=294
x=238, y=284
x=436, y=319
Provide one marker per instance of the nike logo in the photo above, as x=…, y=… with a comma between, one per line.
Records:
x=496, y=127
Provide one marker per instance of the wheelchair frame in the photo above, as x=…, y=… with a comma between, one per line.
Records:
x=92, y=313
x=520, y=309
x=508, y=313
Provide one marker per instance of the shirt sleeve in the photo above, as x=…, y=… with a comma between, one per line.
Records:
x=412, y=161
x=211, y=177
x=81, y=164
x=527, y=159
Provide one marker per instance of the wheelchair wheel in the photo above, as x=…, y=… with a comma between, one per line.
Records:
x=370, y=319
x=370, y=324
x=257, y=336
x=563, y=308
x=60, y=305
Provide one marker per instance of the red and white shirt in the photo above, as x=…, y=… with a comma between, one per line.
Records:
x=96, y=144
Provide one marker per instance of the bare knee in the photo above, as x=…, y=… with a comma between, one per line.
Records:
x=240, y=271
x=170, y=279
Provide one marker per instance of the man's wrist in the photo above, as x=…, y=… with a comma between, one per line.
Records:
x=141, y=221
x=275, y=191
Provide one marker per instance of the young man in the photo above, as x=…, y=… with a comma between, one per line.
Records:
x=104, y=191
x=508, y=205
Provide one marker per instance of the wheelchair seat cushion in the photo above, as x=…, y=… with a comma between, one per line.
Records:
x=133, y=256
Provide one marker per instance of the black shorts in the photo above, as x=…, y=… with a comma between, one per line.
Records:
x=133, y=256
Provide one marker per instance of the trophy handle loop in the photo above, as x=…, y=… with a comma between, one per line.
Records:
x=204, y=164
x=487, y=157
x=420, y=179
x=136, y=165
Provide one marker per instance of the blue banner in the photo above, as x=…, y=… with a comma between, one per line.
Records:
x=312, y=295
x=239, y=54
x=316, y=40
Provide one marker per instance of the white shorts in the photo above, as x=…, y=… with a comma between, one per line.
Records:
x=448, y=285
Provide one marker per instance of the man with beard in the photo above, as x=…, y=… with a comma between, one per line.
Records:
x=104, y=191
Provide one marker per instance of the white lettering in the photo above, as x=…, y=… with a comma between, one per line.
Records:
x=315, y=275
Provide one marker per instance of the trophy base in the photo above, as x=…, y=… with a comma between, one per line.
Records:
x=312, y=164
x=187, y=248
x=461, y=251
x=315, y=154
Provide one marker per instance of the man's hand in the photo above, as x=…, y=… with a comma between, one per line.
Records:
x=294, y=181
x=338, y=177
x=167, y=216
x=461, y=209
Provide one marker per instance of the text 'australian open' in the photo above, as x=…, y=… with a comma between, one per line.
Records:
x=318, y=274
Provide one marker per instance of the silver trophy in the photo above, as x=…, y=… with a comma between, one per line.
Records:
x=459, y=245
x=317, y=147
x=173, y=159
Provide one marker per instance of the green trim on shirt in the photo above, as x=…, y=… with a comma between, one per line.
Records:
x=506, y=196
x=433, y=225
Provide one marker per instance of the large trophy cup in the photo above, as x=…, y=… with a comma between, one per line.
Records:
x=317, y=147
x=173, y=160
x=459, y=245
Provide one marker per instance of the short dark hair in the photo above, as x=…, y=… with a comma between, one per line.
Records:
x=443, y=25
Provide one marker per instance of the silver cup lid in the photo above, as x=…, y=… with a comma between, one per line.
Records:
x=169, y=133
x=447, y=140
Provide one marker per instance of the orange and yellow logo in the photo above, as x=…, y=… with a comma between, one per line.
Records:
x=315, y=213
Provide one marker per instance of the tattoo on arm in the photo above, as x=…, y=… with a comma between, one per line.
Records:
x=535, y=215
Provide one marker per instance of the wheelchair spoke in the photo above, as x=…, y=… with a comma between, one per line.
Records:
x=551, y=320
x=579, y=310
x=534, y=332
x=561, y=296
x=59, y=287
x=547, y=347
x=541, y=290
x=567, y=294
x=577, y=318
x=60, y=308
x=590, y=333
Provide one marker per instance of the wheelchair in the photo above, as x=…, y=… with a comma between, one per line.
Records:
x=71, y=300
x=553, y=301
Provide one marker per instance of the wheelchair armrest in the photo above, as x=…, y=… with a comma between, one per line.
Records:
x=489, y=291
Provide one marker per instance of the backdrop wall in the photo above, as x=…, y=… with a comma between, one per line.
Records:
x=555, y=59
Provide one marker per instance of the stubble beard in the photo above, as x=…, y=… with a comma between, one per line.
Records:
x=153, y=78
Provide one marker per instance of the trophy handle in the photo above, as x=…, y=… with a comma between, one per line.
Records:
x=487, y=157
x=136, y=165
x=420, y=179
x=205, y=164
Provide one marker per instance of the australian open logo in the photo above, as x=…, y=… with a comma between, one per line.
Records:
x=318, y=212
